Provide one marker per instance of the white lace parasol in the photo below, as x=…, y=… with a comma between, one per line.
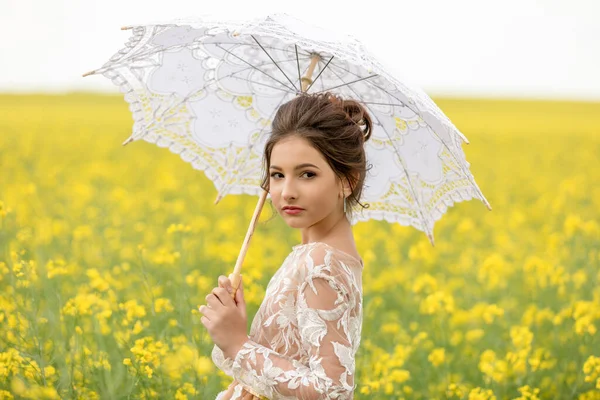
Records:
x=208, y=90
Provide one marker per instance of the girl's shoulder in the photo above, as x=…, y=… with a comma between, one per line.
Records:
x=320, y=260
x=319, y=265
x=323, y=253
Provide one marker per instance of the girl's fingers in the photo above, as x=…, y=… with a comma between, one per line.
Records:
x=206, y=311
x=213, y=301
x=224, y=282
x=223, y=296
x=205, y=321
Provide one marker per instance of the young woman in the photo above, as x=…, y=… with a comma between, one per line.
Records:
x=307, y=331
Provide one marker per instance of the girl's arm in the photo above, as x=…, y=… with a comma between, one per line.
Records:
x=328, y=324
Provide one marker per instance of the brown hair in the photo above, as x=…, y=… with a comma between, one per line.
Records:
x=335, y=127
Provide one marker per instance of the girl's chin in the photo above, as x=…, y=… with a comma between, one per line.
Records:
x=294, y=221
x=295, y=224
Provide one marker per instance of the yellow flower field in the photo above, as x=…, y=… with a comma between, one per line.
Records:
x=107, y=251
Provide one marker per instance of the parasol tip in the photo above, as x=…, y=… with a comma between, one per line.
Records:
x=88, y=73
x=124, y=28
x=125, y=143
x=463, y=137
x=430, y=236
x=484, y=200
x=218, y=199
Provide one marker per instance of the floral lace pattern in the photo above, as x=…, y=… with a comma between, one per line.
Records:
x=305, y=335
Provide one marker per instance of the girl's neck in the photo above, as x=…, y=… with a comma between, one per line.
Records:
x=335, y=230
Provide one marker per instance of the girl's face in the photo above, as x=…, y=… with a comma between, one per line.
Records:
x=300, y=177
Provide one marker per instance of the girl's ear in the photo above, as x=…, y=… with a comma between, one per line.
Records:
x=347, y=189
x=346, y=184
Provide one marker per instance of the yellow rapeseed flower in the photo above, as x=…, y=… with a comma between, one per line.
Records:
x=493, y=369
x=4, y=209
x=437, y=302
x=528, y=393
x=173, y=228
x=148, y=371
x=5, y=394
x=474, y=335
x=204, y=366
x=399, y=375
x=456, y=390
x=163, y=305
x=437, y=356
x=591, y=369
x=481, y=394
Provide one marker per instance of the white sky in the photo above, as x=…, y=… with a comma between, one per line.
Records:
x=509, y=48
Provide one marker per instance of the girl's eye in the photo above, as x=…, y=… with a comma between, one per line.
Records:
x=308, y=174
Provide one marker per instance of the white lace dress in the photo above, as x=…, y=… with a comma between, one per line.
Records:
x=305, y=335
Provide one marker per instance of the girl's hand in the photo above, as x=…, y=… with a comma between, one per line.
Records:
x=224, y=318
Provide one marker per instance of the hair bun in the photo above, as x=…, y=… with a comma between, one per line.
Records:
x=356, y=112
x=359, y=115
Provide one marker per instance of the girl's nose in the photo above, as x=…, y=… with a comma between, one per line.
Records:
x=289, y=191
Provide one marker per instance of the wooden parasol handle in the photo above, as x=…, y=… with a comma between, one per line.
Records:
x=235, y=277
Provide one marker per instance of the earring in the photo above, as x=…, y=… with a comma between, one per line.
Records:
x=344, y=205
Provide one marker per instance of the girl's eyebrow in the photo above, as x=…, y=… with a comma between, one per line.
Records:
x=297, y=166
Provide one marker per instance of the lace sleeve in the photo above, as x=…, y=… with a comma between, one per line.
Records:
x=325, y=311
x=223, y=363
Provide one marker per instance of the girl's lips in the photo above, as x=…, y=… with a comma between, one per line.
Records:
x=292, y=211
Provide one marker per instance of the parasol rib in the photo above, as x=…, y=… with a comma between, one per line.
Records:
x=274, y=62
x=258, y=69
x=320, y=72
